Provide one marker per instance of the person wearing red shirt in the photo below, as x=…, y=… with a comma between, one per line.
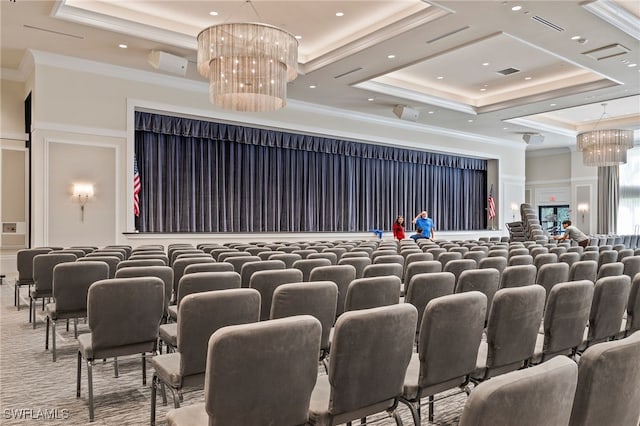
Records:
x=398, y=228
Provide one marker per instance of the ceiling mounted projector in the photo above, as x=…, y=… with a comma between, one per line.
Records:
x=405, y=113
x=167, y=62
x=533, y=138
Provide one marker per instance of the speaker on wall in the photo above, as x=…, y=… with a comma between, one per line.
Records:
x=533, y=138
x=167, y=62
x=403, y=112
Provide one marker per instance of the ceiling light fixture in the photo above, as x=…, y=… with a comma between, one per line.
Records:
x=339, y=14
x=516, y=8
x=122, y=46
x=604, y=147
x=248, y=65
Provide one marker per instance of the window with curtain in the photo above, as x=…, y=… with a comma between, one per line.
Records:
x=629, y=194
x=203, y=176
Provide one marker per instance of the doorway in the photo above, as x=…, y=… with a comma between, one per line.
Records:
x=551, y=218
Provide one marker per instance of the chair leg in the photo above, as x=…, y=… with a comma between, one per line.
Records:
x=78, y=375
x=115, y=367
x=415, y=414
x=144, y=369
x=46, y=334
x=154, y=390
x=431, y=399
x=397, y=418
x=33, y=318
x=16, y=291
x=67, y=324
x=75, y=328
x=90, y=384
x=164, y=393
x=30, y=307
x=176, y=397
x=53, y=340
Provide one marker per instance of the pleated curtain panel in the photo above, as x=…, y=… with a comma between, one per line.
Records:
x=204, y=176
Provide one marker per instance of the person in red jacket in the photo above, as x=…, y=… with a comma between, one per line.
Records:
x=398, y=228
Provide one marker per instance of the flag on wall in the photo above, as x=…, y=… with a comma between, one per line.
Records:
x=492, y=204
x=136, y=188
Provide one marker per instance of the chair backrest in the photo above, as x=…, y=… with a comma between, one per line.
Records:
x=139, y=262
x=608, y=391
x=544, y=259
x=245, y=387
x=457, y=266
x=450, y=334
x=266, y=283
x=165, y=273
x=71, y=282
x=512, y=329
x=307, y=265
x=123, y=312
x=633, y=306
x=447, y=257
x=120, y=254
x=521, y=259
x=43, y=265
x=584, y=270
x=179, y=266
x=486, y=281
x=518, y=251
x=631, y=266
x=199, y=282
x=111, y=261
x=201, y=314
x=341, y=275
x=357, y=262
x=144, y=255
x=25, y=263
x=239, y=261
x=509, y=399
x=609, y=303
x=552, y=274
x=208, y=267
x=386, y=335
x=250, y=268
x=624, y=253
x=610, y=270
x=383, y=270
x=569, y=257
x=566, y=316
x=518, y=276
x=590, y=255
x=365, y=293
x=425, y=287
x=173, y=254
x=496, y=262
x=607, y=256
x=287, y=258
x=315, y=298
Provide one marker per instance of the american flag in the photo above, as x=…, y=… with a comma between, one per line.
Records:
x=136, y=188
x=492, y=204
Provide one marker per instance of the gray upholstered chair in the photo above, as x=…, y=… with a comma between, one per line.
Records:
x=25, y=271
x=584, y=270
x=632, y=322
x=120, y=254
x=610, y=298
x=217, y=253
x=307, y=265
x=383, y=252
x=383, y=270
x=486, y=281
x=43, y=265
x=71, y=281
x=496, y=262
x=565, y=318
x=173, y=255
x=544, y=259
x=201, y=314
x=518, y=251
x=124, y=316
x=421, y=267
x=569, y=258
x=354, y=254
x=331, y=257
x=122, y=247
x=246, y=387
x=179, y=266
x=111, y=261
x=518, y=276
x=631, y=266
x=512, y=330
x=425, y=287
x=315, y=298
x=303, y=253
x=266, y=283
x=357, y=262
x=521, y=259
x=139, y=262
x=365, y=293
x=590, y=255
x=250, y=268
x=624, y=253
x=450, y=334
x=540, y=395
x=150, y=255
x=447, y=257
x=458, y=266
x=341, y=275
x=552, y=274
x=358, y=386
x=239, y=261
x=610, y=270
x=607, y=256
x=389, y=258
x=165, y=273
x=476, y=255
x=208, y=267
x=608, y=391
x=434, y=251
x=287, y=258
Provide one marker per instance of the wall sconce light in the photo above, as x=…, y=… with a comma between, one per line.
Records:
x=583, y=208
x=83, y=191
x=514, y=210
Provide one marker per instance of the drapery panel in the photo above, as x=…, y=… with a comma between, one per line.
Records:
x=608, y=196
x=200, y=176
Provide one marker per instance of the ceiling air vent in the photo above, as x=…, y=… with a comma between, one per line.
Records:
x=347, y=72
x=508, y=71
x=547, y=23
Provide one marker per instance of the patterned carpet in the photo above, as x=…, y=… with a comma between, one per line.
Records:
x=34, y=390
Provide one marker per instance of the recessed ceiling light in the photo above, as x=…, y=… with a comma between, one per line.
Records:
x=575, y=38
x=371, y=99
x=470, y=121
x=339, y=13
x=431, y=112
x=505, y=128
x=552, y=104
x=516, y=8
x=391, y=56
x=213, y=13
x=485, y=85
x=485, y=64
x=632, y=65
x=440, y=77
x=298, y=37
x=122, y=46
x=483, y=89
x=528, y=78
x=312, y=86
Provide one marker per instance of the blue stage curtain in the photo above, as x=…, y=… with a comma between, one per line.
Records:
x=203, y=176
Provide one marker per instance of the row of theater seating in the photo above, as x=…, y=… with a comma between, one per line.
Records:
x=432, y=280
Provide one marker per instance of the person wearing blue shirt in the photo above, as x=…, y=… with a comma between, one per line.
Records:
x=425, y=223
x=418, y=235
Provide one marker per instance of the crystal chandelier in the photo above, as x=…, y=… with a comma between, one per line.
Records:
x=248, y=65
x=605, y=147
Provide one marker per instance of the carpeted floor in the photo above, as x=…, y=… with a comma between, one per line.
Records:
x=33, y=389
